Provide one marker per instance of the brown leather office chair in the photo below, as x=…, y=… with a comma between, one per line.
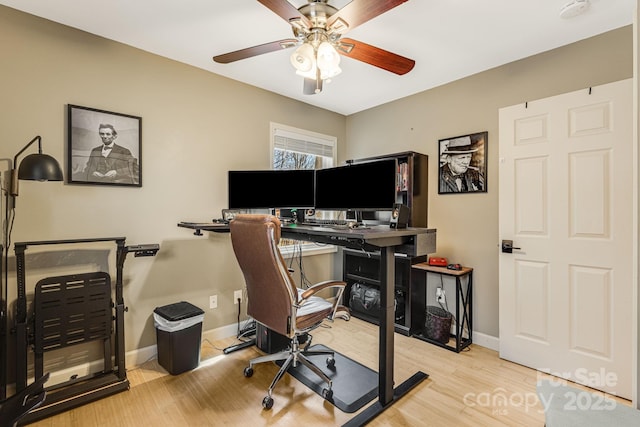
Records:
x=276, y=302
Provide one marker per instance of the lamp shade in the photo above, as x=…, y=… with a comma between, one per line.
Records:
x=303, y=58
x=328, y=61
x=40, y=167
x=328, y=57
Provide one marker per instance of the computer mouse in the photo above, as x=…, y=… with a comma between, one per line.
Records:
x=454, y=267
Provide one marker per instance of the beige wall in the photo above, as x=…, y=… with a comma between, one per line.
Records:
x=197, y=126
x=468, y=224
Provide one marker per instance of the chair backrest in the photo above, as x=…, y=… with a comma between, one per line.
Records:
x=270, y=289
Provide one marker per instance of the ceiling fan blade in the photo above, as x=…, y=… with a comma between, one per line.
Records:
x=226, y=58
x=360, y=11
x=377, y=57
x=286, y=11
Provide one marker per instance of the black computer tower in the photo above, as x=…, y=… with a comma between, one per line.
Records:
x=270, y=341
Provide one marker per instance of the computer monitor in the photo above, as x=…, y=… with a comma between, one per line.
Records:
x=266, y=189
x=369, y=186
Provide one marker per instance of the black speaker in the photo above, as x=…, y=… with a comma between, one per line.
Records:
x=309, y=214
x=399, y=216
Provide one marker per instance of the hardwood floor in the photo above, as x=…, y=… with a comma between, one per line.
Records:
x=473, y=388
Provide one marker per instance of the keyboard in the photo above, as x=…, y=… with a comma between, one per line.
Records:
x=324, y=222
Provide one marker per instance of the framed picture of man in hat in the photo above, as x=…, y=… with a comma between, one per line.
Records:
x=463, y=164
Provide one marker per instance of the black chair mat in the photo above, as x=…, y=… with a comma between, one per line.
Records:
x=354, y=385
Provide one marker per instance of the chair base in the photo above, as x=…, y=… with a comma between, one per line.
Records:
x=292, y=356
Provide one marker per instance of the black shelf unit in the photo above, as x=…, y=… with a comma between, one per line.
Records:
x=363, y=267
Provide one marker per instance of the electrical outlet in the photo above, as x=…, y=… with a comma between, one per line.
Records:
x=237, y=295
x=438, y=292
x=213, y=301
x=440, y=296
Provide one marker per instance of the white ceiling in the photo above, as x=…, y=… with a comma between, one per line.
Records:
x=448, y=39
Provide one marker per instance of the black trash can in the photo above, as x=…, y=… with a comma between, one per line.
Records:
x=178, y=334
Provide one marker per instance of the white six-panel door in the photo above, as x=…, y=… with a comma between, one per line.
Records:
x=566, y=202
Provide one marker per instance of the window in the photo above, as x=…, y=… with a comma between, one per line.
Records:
x=293, y=148
x=299, y=149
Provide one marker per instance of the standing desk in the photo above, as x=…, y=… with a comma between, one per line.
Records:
x=388, y=241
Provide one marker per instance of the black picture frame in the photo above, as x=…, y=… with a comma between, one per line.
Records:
x=463, y=164
x=87, y=160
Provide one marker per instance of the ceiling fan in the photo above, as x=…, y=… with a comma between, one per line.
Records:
x=318, y=28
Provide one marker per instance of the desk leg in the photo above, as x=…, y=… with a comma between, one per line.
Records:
x=387, y=319
x=386, y=394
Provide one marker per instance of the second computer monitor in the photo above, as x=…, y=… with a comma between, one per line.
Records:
x=367, y=186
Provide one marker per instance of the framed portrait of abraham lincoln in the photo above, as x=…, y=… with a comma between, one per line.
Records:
x=463, y=164
x=105, y=148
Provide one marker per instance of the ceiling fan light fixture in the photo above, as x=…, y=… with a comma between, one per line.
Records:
x=311, y=74
x=327, y=75
x=303, y=58
x=330, y=72
x=328, y=61
x=328, y=58
x=317, y=23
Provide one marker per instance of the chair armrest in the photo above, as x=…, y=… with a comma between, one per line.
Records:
x=321, y=286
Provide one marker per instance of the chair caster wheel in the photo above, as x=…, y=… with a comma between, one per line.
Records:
x=248, y=371
x=267, y=402
x=331, y=362
x=327, y=394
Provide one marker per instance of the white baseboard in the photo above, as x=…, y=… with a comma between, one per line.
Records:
x=488, y=341
x=139, y=356
x=142, y=355
x=221, y=332
x=132, y=358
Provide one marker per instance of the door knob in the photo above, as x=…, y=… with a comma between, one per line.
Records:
x=507, y=246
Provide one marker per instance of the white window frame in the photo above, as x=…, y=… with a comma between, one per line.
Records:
x=315, y=138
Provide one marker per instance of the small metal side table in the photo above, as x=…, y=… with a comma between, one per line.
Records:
x=463, y=312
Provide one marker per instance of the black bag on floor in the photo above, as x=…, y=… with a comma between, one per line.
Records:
x=365, y=299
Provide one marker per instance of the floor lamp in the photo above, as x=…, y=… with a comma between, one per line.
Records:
x=34, y=167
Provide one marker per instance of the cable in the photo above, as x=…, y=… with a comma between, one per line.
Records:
x=239, y=309
x=304, y=281
x=296, y=256
x=242, y=332
x=205, y=340
x=249, y=327
x=248, y=330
